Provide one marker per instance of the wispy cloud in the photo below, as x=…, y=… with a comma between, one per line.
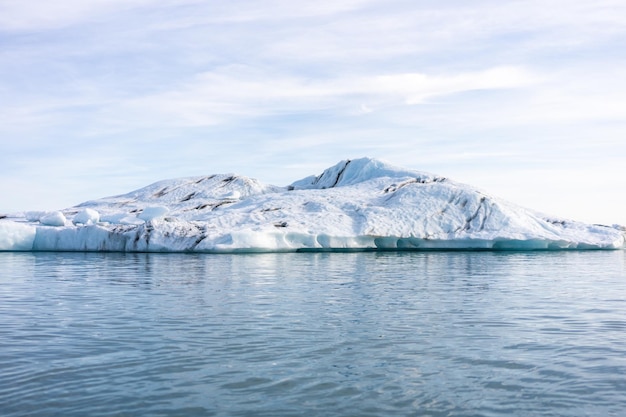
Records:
x=214, y=97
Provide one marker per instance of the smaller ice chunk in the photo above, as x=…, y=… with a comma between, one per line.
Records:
x=154, y=212
x=55, y=218
x=86, y=216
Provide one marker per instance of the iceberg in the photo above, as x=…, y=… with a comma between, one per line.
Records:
x=359, y=204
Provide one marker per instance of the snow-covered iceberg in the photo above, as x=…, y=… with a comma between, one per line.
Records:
x=361, y=204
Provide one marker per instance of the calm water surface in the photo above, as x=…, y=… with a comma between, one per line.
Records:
x=332, y=334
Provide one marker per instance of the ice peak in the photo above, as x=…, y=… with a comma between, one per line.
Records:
x=354, y=171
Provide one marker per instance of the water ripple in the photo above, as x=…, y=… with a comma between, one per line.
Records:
x=367, y=334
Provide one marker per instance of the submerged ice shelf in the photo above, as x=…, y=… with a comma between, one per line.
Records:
x=361, y=204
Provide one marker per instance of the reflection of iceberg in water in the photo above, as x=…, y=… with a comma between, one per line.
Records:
x=361, y=204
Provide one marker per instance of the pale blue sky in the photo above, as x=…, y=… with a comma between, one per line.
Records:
x=524, y=99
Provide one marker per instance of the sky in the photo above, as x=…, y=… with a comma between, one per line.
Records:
x=525, y=100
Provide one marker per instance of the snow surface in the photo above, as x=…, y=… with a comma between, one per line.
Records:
x=361, y=204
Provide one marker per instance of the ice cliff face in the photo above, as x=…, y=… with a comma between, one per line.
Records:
x=357, y=204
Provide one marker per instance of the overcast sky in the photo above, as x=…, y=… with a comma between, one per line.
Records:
x=523, y=99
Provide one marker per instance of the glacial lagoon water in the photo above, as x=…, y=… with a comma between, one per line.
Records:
x=313, y=334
